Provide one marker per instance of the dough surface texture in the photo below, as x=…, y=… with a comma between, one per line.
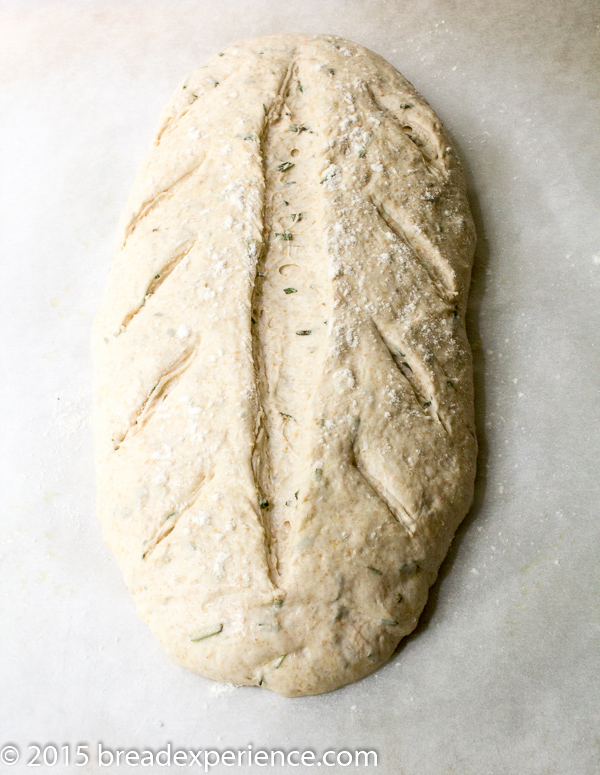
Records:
x=283, y=408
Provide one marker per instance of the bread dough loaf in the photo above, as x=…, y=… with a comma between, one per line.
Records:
x=283, y=385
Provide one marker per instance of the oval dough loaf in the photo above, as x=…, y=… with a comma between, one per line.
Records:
x=283, y=385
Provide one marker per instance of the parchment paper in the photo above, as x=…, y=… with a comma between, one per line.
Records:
x=502, y=674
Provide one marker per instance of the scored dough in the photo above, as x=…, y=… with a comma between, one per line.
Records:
x=283, y=411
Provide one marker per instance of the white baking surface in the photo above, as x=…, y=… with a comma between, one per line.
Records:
x=503, y=673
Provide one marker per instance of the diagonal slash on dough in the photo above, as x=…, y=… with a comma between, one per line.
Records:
x=160, y=391
x=398, y=511
x=428, y=404
x=158, y=280
x=433, y=265
x=150, y=204
x=170, y=521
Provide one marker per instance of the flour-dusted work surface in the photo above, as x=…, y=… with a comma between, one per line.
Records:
x=500, y=675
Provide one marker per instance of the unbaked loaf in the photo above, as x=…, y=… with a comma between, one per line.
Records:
x=283, y=414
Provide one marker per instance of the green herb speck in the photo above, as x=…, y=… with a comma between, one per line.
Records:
x=285, y=166
x=263, y=502
x=318, y=474
x=304, y=332
x=362, y=153
x=285, y=235
x=206, y=632
x=375, y=570
x=290, y=290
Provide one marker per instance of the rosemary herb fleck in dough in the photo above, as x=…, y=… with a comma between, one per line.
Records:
x=283, y=422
